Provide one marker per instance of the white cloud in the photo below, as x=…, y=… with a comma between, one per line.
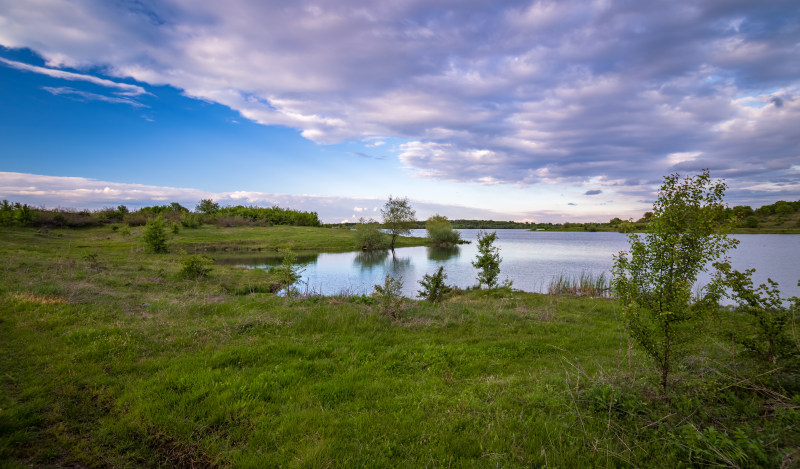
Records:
x=87, y=96
x=122, y=88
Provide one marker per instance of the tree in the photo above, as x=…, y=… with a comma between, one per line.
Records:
x=488, y=259
x=155, y=235
x=655, y=284
x=441, y=231
x=398, y=218
x=288, y=273
x=207, y=206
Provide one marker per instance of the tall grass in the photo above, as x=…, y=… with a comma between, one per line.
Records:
x=585, y=284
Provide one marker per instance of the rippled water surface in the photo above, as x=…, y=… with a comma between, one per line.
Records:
x=530, y=259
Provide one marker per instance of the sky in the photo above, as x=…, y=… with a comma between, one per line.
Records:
x=507, y=110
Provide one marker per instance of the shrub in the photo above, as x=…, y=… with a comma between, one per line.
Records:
x=433, y=286
x=390, y=295
x=770, y=315
x=195, y=266
x=135, y=219
x=191, y=220
x=155, y=236
x=441, y=231
x=368, y=237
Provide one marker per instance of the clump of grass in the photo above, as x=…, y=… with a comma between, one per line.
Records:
x=585, y=284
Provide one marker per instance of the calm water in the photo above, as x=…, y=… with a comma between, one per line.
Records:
x=530, y=259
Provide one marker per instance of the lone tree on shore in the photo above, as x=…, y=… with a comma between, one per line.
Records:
x=398, y=218
x=655, y=284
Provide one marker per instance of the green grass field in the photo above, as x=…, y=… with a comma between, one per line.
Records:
x=110, y=358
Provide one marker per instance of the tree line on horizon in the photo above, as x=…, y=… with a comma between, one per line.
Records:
x=206, y=211
x=781, y=214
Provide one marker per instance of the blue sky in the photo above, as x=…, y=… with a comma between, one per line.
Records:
x=509, y=110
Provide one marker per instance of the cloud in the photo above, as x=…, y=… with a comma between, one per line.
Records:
x=502, y=92
x=87, y=96
x=122, y=88
x=593, y=192
x=84, y=193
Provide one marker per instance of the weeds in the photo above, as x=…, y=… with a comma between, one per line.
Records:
x=585, y=284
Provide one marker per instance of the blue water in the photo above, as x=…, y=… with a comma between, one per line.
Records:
x=530, y=260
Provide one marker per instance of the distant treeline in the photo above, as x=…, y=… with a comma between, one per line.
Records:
x=781, y=216
x=16, y=214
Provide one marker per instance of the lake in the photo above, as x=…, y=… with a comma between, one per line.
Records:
x=530, y=260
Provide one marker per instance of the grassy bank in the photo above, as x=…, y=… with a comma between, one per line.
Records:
x=109, y=357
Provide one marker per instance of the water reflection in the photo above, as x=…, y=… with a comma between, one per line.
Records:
x=368, y=260
x=398, y=266
x=265, y=261
x=443, y=254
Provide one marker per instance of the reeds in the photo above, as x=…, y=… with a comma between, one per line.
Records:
x=585, y=284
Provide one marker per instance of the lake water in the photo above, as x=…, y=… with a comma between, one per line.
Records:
x=530, y=259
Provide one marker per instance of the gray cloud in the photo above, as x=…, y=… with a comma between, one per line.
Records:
x=502, y=92
x=593, y=192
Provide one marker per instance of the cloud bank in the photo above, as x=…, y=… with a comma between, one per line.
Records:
x=507, y=92
x=77, y=193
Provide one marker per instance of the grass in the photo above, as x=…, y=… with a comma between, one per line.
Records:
x=585, y=284
x=110, y=357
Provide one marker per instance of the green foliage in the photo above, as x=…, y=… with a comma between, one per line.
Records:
x=434, y=287
x=288, y=273
x=268, y=215
x=398, y=218
x=771, y=315
x=487, y=260
x=390, y=296
x=368, y=236
x=441, y=231
x=195, y=266
x=207, y=206
x=191, y=220
x=155, y=235
x=655, y=285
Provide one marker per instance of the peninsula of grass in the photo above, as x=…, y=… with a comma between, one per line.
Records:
x=110, y=357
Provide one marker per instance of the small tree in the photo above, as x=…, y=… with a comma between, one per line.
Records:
x=488, y=259
x=441, y=231
x=655, y=284
x=369, y=237
x=288, y=273
x=155, y=235
x=207, y=206
x=390, y=294
x=398, y=218
x=433, y=286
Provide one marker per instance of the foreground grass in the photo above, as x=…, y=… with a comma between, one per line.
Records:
x=109, y=358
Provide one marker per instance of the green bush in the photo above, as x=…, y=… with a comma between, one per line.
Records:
x=441, y=231
x=191, y=220
x=155, y=236
x=368, y=236
x=195, y=266
x=433, y=286
x=390, y=295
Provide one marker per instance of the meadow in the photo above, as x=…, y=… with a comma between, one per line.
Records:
x=111, y=356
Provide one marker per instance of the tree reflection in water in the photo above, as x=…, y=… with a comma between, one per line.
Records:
x=443, y=254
